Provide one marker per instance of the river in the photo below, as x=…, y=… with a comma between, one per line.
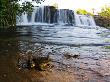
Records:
x=90, y=44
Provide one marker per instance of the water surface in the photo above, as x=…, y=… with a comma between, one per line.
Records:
x=89, y=43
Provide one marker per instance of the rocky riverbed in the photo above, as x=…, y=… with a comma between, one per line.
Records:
x=69, y=63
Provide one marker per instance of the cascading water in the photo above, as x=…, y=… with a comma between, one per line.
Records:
x=50, y=15
x=62, y=16
x=84, y=20
x=65, y=16
x=33, y=15
x=39, y=15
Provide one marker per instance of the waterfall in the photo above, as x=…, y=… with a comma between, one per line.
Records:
x=62, y=16
x=40, y=15
x=33, y=15
x=65, y=16
x=84, y=20
x=51, y=15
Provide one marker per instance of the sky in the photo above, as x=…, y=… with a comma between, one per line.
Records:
x=78, y=4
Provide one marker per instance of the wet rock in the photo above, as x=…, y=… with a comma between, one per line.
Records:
x=43, y=66
x=75, y=56
x=29, y=61
x=9, y=44
x=26, y=60
x=4, y=75
x=68, y=55
x=42, y=63
x=29, y=52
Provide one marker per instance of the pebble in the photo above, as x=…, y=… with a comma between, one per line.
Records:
x=4, y=75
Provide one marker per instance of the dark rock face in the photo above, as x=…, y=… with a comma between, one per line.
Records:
x=29, y=17
x=102, y=21
x=64, y=16
x=52, y=11
x=45, y=14
x=70, y=15
x=49, y=14
x=49, y=11
x=38, y=15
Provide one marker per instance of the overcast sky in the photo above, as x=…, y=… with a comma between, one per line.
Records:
x=76, y=4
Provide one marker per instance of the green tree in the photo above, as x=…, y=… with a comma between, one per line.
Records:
x=9, y=9
x=103, y=18
x=105, y=12
x=83, y=12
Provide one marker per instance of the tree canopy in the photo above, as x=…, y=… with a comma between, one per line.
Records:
x=9, y=9
x=83, y=12
x=105, y=12
x=103, y=18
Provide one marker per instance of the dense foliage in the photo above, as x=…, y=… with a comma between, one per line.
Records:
x=103, y=18
x=10, y=8
x=83, y=12
x=102, y=21
x=105, y=12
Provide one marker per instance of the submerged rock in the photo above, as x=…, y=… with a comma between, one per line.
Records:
x=68, y=55
x=42, y=63
x=29, y=61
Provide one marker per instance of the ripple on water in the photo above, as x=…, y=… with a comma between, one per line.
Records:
x=56, y=41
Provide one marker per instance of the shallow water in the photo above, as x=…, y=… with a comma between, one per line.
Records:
x=56, y=41
x=67, y=35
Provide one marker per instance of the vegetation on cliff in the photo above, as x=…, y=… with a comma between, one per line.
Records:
x=103, y=18
x=83, y=12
